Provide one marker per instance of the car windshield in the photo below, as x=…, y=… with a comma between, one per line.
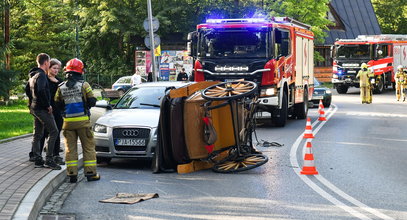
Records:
x=233, y=43
x=143, y=97
x=355, y=51
x=316, y=82
x=124, y=80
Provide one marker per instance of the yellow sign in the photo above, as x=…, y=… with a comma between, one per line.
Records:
x=157, y=51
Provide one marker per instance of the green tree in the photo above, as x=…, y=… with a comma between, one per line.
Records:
x=40, y=26
x=392, y=16
x=312, y=12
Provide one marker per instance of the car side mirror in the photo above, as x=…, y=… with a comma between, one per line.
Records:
x=103, y=104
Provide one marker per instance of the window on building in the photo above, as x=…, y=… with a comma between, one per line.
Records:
x=325, y=52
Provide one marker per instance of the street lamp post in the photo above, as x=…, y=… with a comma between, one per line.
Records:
x=151, y=34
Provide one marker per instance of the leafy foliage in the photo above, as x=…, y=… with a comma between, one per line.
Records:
x=312, y=12
x=392, y=16
x=109, y=31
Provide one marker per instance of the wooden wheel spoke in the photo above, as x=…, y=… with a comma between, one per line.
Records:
x=236, y=85
x=221, y=88
x=215, y=90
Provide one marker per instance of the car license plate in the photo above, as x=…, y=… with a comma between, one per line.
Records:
x=130, y=142
x=317, y=97
x=348, y=80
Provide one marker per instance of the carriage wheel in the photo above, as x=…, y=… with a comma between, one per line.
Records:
x=242, y=163
x=229, y=90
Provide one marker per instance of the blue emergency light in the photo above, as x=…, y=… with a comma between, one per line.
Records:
x=244, y=20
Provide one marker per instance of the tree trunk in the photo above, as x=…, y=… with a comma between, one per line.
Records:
x=7, y=31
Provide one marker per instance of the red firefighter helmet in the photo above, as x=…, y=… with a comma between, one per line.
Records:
x=75, y=65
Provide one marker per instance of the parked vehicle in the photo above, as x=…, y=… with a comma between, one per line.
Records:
x=321, y=93
x=277, y=54
x=382, y=53
x=129, y=129
x=122, y=84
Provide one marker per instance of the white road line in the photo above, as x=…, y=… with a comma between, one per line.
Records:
x=316, y=188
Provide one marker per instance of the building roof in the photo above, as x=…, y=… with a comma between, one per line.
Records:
x=357, y=17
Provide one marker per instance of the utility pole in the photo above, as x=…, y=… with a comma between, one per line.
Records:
x=7, y=32
x=77, y=32
x=151, y=33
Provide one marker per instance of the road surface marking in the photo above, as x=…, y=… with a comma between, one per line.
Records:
x=325, y=182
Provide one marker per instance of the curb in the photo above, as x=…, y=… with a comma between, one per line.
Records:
x=36, y=198
x=15, y=138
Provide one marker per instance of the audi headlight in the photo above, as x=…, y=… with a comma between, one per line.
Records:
x=100, y=128
x=155, y=137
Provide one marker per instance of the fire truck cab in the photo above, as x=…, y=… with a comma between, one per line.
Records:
x=277, y=54
x=382, y=53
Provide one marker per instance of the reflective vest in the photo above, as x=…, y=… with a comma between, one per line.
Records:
x=75, y=109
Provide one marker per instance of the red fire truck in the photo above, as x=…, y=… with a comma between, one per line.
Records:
x=277, y=54
x=382, y=53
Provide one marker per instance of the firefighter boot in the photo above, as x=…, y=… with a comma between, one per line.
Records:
x=73, y=179
x=94, y=177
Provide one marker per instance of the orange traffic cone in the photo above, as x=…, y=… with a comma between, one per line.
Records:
x=321, y=111
x=308, y=129
x=320, y=106
x=308, y=167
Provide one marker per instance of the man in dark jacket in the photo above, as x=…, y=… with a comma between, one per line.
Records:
x=39, y=103
x=182, y=76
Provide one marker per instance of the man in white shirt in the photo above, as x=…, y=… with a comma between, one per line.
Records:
x=136, y=79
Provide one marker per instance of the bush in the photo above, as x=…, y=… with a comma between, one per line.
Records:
x=7, y=79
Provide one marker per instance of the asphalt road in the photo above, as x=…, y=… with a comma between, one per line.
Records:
x=360, y=154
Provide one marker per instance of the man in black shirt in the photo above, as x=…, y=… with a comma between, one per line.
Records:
x=182, y=76
x=39, y=103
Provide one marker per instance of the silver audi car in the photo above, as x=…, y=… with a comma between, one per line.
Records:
x=129, y=128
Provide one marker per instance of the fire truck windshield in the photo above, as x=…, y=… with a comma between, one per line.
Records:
x=233, y=43
x=353, y=51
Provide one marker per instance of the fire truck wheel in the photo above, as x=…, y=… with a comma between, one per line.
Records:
x=229, y=90
x=380, y=86
x=301, y=109
x=342, y=89
x=283, y=112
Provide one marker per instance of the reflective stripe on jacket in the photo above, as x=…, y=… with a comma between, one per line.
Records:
x=74, y=103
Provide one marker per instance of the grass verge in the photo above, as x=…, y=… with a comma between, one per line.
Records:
x=15, y=120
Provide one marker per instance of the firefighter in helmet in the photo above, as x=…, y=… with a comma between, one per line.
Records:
x=365, y=75
x=400, y=78
x=75, y=97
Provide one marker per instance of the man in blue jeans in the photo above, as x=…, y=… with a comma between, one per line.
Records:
x=39, y=103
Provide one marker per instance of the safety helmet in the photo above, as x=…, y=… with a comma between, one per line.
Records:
x=363, y=66
x=399, y=67
x=74, y=65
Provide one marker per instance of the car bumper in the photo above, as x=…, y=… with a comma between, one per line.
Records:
x=106, y=147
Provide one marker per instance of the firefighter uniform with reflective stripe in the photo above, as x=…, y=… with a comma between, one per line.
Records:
x=365, y=90
x=400, y=78
x=77, y=124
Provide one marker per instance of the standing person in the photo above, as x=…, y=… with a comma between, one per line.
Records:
x=39, y=101
x=192, y=76
x=136, y=79
x=400, y=78
x=54, y=81
x=365, y=91
x=182, y=76
x=149, y=77
x=75, y=96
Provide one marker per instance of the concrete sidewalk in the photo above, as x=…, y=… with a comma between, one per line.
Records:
x=23, y=188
